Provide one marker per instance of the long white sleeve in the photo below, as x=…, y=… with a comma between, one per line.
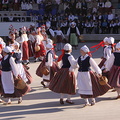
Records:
x=108, y=53
x=68, y=32
x=72, y=63
x=95, y=66
x=14, y=66
x=78, y=32
x=52, y=32
x=109, y=62
x=50, y=60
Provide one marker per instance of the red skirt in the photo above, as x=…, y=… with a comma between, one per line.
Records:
x=114, y=77
x=25, y=51
x=28, y=75
x=31, y=53
x=102, y=62
x=97, y=89
x=41, y=52
x=62, y=82
x=59, y=38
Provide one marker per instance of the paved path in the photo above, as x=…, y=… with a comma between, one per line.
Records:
x=42, y=104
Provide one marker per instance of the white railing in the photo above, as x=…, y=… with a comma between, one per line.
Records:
x=17, y=19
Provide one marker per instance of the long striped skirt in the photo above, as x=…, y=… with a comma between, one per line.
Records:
x=62, y=82
x=102, y=62
x=97, y=89
x=114, y=77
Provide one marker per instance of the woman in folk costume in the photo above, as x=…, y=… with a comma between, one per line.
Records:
x=45, y=36
x=2, y=44
x=64, y=80
x=12, y=42
x=73, y=31
x=113, y=66
x=87, y=81
x=24, y=45
x=59, y=39
x=1, y=101
x=9, y=69
x=38, y=42
x=51, y=65
x=23, y=72
x=31, y=40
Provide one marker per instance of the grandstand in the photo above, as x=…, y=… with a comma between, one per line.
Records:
x=37, y=12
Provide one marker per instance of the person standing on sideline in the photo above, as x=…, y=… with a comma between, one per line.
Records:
x=64, y=81
x=59, y=39
x=113, y=66
x=73, y=32
x=87, y=80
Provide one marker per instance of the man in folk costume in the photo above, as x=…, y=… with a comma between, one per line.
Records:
x=39, y=54
x=113, y=66
x=24, y=45
x=50, y=32
x=64, y=81
x=9, y=69
x=87, y=81
x=73, y=32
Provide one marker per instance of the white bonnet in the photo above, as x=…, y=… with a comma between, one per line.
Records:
x=118, y=45
x=7, y=49
x=105, y=39
x=85, y=48
x=16, y=43
x=67, y=46
x=50, y=46
x=111, y=40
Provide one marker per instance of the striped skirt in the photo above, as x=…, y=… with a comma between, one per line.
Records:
x=114, y=77
x=62, y=82
x=102, y=62
x=97, y=89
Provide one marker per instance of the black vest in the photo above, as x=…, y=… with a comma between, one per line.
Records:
x=117, y=59
x=6, y=64
x=65, y=61
x=84, y=65
x=73, y=30
x=47, y=55
x=17, y=57
x=48, y=32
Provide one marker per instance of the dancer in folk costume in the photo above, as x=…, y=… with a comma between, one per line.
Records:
x=108, y=50
x=31, y=40
x=113, y=66
x=1, y=91
x=9, y=69
x=45, y=36
x=38, y=42
x=12, y=41
x=64, y=81
x=59, y=39
x=24, y=45
x=23, y=72
x=50, y=32
x=2, y=44
x=51, y=65
x=73, y=32
x=87, y=80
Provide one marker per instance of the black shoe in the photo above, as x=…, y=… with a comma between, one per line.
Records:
x=69, y=101
x=61, y=101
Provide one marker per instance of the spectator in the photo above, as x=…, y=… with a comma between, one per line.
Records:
x=110, y=16
x=10, y=18
x=84, y=7
x=108, y=6
x=5, y=4
x=71, y=17
x=78, y=7
x=101, y=6
x=16, y=5
x=104, y=27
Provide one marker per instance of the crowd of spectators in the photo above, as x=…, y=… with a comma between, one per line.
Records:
x=91, y=16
